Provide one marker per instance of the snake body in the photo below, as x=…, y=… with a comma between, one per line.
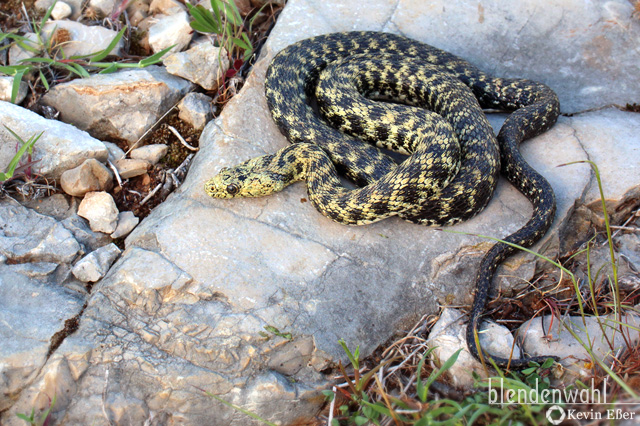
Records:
x=454, y=159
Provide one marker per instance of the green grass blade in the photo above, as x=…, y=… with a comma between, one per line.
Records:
x=44, y=81
x=232, y=13
x=155, y=58
x=46, y=16
x=110, y=69
x=15, y=87
x=447, y=365
x=80, y=70
x=216, y=13
x=100, y=55
x=13, y=69
x=16, y=158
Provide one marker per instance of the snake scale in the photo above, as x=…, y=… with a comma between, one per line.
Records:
x=406, y=96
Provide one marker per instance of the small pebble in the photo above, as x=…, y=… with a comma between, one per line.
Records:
x=96, y=264
x=61, y=11
x=6, y=87
x=126, y=222
x=90, y=176
x=150, y=153
x=115, y=153
x=195, y=109
x=130, y=167
x=100, y=210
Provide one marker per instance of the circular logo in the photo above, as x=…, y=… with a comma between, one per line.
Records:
x=552, y=417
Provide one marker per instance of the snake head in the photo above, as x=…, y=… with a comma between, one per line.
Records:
x=247, y=179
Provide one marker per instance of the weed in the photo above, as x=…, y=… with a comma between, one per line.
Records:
x=45, y=419
x=25, y=148
x=225, y=21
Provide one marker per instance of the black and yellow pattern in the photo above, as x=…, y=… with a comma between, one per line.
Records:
x=454, y=159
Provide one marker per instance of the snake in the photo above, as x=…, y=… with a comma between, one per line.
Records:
x=344, y=100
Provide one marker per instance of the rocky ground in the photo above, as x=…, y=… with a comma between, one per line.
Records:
x=126, y=321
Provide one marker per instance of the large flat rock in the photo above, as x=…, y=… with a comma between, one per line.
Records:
x=197, y=297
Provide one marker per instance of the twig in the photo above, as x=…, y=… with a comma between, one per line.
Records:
x=151, y=128
x=115, y=172
x=181, y=139
x=332, y=406
x=151, y=194
x=625, y=228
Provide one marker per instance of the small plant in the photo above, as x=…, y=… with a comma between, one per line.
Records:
x=53, y=57
x=225, y=22
x=44, y=420
x=25, y=148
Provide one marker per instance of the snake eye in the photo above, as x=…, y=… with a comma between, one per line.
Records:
x=232, y=189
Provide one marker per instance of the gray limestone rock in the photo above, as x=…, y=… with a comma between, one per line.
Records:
x=187, y=304
x=166, y=7
x=449, y=334
x=121, y=105
x=27, y=236
x=126, y=222
x=61, y=147
x=100, y=210
x=90, y=176
x=6, y=87
x=33, y=309
x=172, y=30
x=76, y=6
x=17, y=53
x=105, y=7
x=115, y=153
x=61, y=11
x=83, y=39
x=95, y=265
x=129, y=167
x=80, y=229
x=150, y=153
x=195, y=109
x=604, y=336
x=137, y=10
x=204, y=64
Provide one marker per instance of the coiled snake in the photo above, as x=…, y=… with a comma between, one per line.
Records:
x=454, y=159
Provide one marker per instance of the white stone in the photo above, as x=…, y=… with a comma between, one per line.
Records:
x=28, y=236
x=126, y=222
x=61, y=11
x=138, y=10
x=90, y=176
x=105, y=7
x=6, y=87
x=196, y=109
x=17, y=53
x=550, y=336
x=150, y=153
x=166, y=7
x=173, y=30
x=203, y=64
x=115, y=152
x=61, y=146
x=96, y=264
x=122, y=105
x=100, y=210
x=33, y=308
x=76, y=6
x=84, y=40
x=449, y=334
x=129, y=167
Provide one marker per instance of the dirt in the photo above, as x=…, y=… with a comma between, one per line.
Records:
x=11, y=15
